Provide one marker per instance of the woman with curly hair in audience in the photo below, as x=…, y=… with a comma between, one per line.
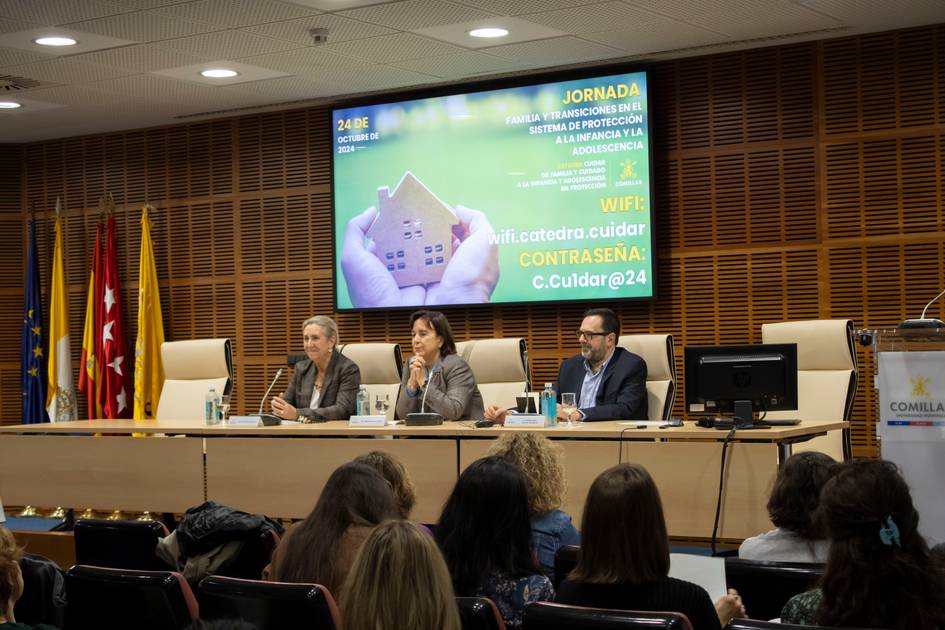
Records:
x=880, y=572
x=540, y=459
x=393, y=470
x=11, y=583
x=399, y=580
x=485, y=535
x=624, y=561
x=321, y=548
x=797, y=536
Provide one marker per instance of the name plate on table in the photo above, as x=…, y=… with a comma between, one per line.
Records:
x=243, y=421
x=367, y=421
x=525, y=420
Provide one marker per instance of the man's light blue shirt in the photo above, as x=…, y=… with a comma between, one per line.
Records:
x=592, y=383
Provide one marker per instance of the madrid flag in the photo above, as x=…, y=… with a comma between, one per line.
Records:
x=115, y=363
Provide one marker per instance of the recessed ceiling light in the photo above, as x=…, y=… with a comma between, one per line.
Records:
x=489, y=32
x=218, y=73
x=9, y=105
x=54, y=41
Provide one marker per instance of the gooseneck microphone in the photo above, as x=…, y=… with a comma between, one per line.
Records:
x=426, y=388
x=262, y=402
x=422, y=418
x=923, y=322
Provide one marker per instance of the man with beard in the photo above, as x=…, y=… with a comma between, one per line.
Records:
x=609, y=383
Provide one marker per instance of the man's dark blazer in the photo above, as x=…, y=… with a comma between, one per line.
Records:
x=622, y=391
x=339, y=389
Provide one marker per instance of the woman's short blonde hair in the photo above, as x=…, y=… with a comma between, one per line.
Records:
x=540, y=460
x=327, y=324
x=392, y=469
x=10, y=555
x=399, y=580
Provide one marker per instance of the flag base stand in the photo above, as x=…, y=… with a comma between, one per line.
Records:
x=145, y=516
x=87, y=513
x=117, y=515
x=28, y=510
x=59, y=512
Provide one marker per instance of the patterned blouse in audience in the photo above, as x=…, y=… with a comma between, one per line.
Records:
x=510, y=595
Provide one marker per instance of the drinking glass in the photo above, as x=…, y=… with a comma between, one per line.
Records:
x=223, y=408
x=382, y=404
x=568, y=404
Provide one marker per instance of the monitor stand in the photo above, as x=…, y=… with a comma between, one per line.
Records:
x=743, y=418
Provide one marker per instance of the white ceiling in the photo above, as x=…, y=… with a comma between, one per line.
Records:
x=136, y=62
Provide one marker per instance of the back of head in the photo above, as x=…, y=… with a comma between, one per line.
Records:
x=879, y=572
x=396, y=475
x=354, y=495
x=623, y=533
x=540, y=459
x=10, y=556
x=484, y=527
x=399, y=580
x=796, y=493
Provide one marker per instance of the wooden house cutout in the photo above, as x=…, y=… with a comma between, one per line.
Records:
x=413, y=232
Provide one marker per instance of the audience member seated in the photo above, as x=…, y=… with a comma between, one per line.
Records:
x=321, y=548
x=325, y=385
x=485, y=535
x=540, y=459
x=624, y=562
x=797, y=536
x=880, y=572
x=396, y=475
x=436, y=378
x=609, y=382
x=11, y=583
x=399, y=580
x=221, y=624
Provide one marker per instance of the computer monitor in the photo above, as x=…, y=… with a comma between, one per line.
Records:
x=741, y=379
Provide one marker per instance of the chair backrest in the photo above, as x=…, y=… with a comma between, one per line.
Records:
x=767, y=586
x=253, y=557
x=268, y=605
x=757, y=624
x=116, y=599
x=660, y=358
x=499, y=366
x=826, y=377
x=191, y=368
x=44, y=592
x=381, y=366
x=119, y=544
x=479, y=613
x=566, y=558
x=551, y=616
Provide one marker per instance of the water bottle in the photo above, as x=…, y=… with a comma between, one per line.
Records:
x=549, y=406
x=210, y=407
x=364, y=401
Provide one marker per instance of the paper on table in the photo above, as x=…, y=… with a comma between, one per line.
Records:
x=643, y=423
x=706, y=571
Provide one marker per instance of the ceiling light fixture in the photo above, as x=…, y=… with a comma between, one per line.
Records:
x=218, y=73
x=55, y=41
x=9, y=105
x=489, y=32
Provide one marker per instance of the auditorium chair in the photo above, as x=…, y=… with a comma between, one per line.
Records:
x=191, y=368
x=658, y=354
x=479, y=613
x=499, y=366
x=119, y=544
x=566, y=558
x=756, y=624
x=117, y=599
x=268, y=605
x=765, y=586
x=381, y=366
x=826, y=377
x=552, y=616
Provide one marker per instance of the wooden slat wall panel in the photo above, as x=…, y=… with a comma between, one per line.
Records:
x=792, y=182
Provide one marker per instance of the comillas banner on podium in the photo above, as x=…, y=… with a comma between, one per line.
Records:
x=911, y=396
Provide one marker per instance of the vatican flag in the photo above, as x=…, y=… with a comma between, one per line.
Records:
x=60, y=397
x=149, y=373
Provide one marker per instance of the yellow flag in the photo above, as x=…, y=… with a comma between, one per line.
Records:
x=60, y=397
x=149, y=373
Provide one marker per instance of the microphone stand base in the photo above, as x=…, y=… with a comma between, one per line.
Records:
x=423, y=420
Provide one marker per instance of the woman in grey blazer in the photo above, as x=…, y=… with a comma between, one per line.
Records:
x=435, y=377
x=324, y=386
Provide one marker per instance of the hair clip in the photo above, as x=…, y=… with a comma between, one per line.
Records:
x=889, y=532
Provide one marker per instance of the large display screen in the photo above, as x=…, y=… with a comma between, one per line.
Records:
x=531, y=193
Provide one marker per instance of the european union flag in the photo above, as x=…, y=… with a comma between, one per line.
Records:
x=32, y=359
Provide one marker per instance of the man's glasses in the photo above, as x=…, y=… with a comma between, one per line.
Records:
x=590, y=334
